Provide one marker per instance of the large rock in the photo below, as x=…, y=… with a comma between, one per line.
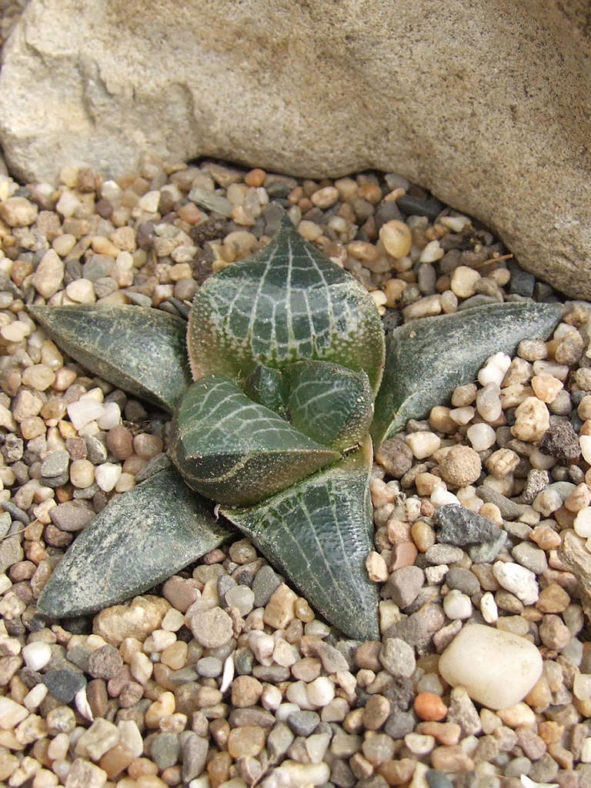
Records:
x=486, y=103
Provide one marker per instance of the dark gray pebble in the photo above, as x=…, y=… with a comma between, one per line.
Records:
x=64, y=684
x=303, y=723
x=461, y=526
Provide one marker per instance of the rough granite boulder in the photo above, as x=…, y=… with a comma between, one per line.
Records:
x=486, y=103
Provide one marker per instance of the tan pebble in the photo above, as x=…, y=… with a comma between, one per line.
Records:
x=463, y=281
x=279, y=610
x=579, y=499
x=531, y=420
x=545, y=537
x=303, y=611
x=376, y=712
x=546, y=387
x=49, y=274
x=451, y=759
x=175, y=655
x=39, y=377
x=81, y=291
x=309, y=230
x=423, y=444
x=460, y=466
x=440, y=419
x=397, y=772
x=161, y=708
x=18, y=212
x=422, y=535
x=81, y=473
x=396, y=238
x=443, y=732
x=376, y=568
x=246, y=691
x=32, y=428
x=517, y=715
x=502, y=462
x=492, y=512
x=211, y=628
x=394, y=289
x=16, y=332
x=245, y=742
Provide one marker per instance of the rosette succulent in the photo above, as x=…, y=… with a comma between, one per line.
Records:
x=277, y=386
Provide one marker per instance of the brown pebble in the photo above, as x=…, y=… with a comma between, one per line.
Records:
x=460, y=466
x=553, y=599
x=429, y=706
x=96, y=693
x=397, y=772
x=246, y=742
x=120, y=442
x=280, y=607
x=367, y=655
x=218, y=768
x=376, y=712
x=246, y=691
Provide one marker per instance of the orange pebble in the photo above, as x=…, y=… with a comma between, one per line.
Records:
x=255, y=177
x=429, y=706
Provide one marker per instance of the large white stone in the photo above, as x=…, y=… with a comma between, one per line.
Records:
x=496, y=668
x=487, y=104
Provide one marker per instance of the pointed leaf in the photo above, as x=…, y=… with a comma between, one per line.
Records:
x=286, y=304
x=319, y=533
x=138, y=540
x=426, y=359
x=329, y=403
x=139, y=349
x=236, y=451
x=268, y=387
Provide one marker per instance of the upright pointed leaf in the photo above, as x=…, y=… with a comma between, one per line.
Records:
x=318, y=533
x=138, y=540
x=329, y=403
x=426, y=359
x=286, y=304
x=138, y=349
x=268, y=387
x=236, y=451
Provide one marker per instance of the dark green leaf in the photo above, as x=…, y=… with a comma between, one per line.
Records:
x=426, y=359
x=268, y=387
x=329, y=403
x=286, y=304
x=236, y=451
x=319, y=533
x=138, y=540
x=138, y=349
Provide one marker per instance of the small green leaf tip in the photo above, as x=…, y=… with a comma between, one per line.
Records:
x=288, y=303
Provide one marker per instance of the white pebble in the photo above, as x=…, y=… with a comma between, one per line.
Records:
x=107, y=475
x=423, y=444
x=494, y=370
x=67, y=204
x=81, y=291
x=36, y=654
x=519, y=580
x=320, y=691
x=582, y=686
x=441, y=497
x=82, y=704
x=481, y=436
x=431, y=252
x=457, y=605
x=228, y=673
x=35, y=697
x=111, y=191
x=585, y=444
x=582, y=523
x=271, y=697
x=462, y=415
x=586, y=751
x=497, y=668
x=149, y=201
x=83, y=412
x=110, y=417
x=297, y=692
x=488, y=608
x=488, y=402
x=284, y=710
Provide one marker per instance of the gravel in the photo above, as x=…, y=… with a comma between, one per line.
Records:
x=223, y=673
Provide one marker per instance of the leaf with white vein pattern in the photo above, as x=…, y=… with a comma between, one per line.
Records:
x=139, y=349
x=236, y=451
x=319, y=533
x=286, y=304
x=329, y=403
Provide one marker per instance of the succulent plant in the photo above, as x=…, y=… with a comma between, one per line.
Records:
x=287, y=355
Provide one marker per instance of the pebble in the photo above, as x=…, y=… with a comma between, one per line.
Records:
x=460, y=466
x=64, y=684
x=460, y=526
x=397, y=657
x=423, y=444
x=396, y=238
x=429, y=706
x=49, y=274
x=482, y=436
x=496, y=668
x=531, y=420
x=36, y=654
x=519, y=580
x=107, y=475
